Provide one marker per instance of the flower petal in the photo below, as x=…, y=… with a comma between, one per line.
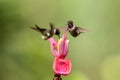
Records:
x=53, y=46
x=61, y=66
x=63, y=46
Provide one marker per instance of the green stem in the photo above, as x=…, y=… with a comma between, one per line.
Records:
x=57, y=77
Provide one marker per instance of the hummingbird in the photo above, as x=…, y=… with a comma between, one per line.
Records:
x=74, y=30
x=47, y=33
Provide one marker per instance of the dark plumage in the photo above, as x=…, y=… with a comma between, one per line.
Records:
x=47, y=33
x=74, y=30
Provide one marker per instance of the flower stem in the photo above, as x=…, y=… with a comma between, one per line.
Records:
x=57, y=77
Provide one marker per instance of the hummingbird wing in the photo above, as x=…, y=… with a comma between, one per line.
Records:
x=51, y=26
x=37, y=28
x=80, y=30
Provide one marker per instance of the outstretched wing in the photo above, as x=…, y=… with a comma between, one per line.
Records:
x=80, y=30
x=37, y=28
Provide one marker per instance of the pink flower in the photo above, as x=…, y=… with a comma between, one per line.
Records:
x=59, y=49
x=53, y=46
x=61, y=66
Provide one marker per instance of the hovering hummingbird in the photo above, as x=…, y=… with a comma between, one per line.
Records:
x=74, y=30
x=47, y=33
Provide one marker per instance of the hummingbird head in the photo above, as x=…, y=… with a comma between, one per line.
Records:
x=70, y=24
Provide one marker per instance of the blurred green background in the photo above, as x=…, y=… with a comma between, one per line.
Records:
x=95, y=55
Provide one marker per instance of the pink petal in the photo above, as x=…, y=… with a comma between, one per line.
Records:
x=63, y=46
x=53, y=46
x=62, y=66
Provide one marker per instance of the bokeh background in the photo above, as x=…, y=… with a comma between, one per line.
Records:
x=95, y=55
